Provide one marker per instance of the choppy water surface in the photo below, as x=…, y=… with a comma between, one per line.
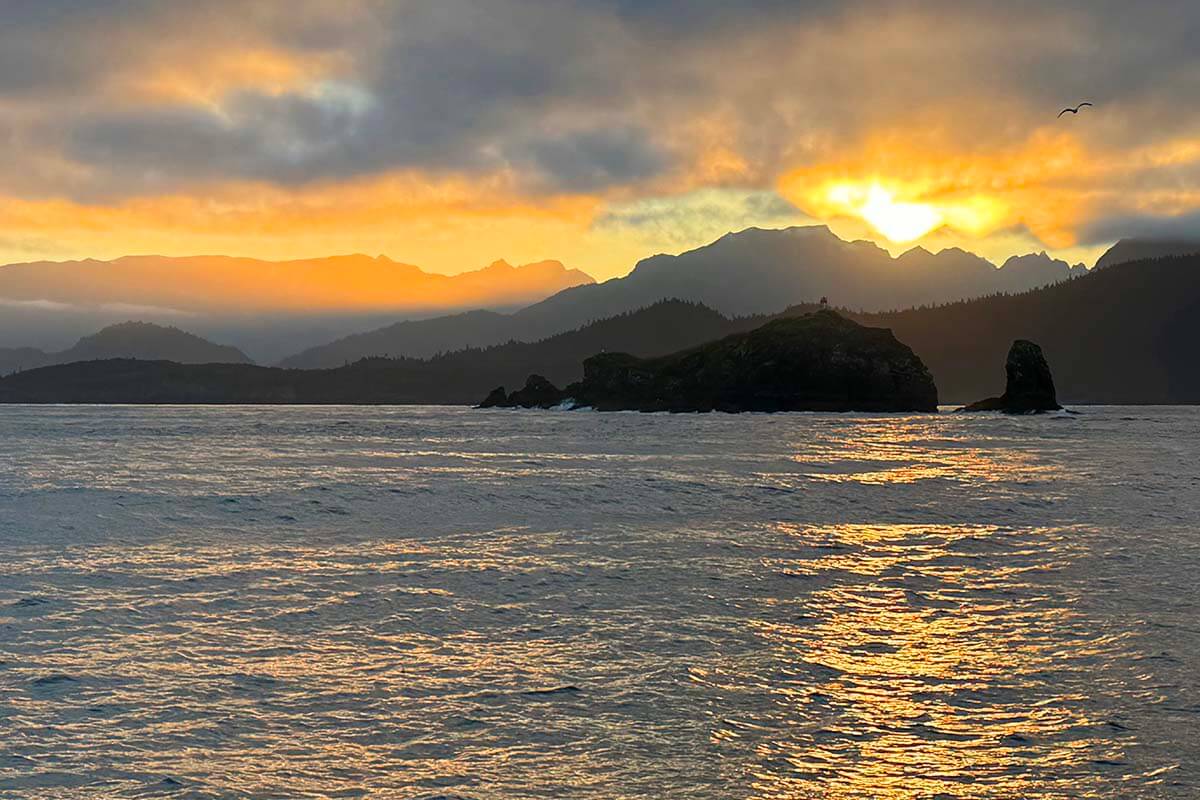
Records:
x=433, y=602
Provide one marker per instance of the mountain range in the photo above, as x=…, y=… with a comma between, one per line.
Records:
x=1123, y=334
x=754, y=271
x=739, y=278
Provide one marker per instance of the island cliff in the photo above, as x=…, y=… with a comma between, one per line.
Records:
x=815, y=362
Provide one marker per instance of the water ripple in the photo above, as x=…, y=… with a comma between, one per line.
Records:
x=436, y=602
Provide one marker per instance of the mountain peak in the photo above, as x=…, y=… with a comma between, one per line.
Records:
x=148, y=342
x=134, y=327
x=1040, y=258
x=792, y=231
x=1136, y=249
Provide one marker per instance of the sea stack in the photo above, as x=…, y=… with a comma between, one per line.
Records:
x=1029, y=388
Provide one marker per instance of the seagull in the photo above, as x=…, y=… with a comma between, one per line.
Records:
x=1074, y=110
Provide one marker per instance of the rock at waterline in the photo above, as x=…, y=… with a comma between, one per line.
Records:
x=1029, y=387
x=497, y=398
x=538, y=392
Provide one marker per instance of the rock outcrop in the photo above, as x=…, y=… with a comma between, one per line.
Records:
x=497, y=398
x=538, y=392
x=815, y=362
x=1029, y=388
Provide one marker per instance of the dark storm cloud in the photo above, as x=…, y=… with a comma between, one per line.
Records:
x=452, y=87
x=1107, y=229
x=592, y=159
x=284, y=139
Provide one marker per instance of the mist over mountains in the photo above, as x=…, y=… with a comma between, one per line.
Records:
x=271, y=308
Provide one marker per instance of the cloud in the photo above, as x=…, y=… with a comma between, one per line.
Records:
x=36, y=305
x=692, y=219
x=1106, y=229
x=140, y=308
x=612, y=103
x=590, y=159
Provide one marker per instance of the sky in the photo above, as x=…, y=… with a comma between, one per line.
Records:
x=450, y=134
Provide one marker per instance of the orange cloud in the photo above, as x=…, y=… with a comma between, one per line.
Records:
x=207, y=76
x=445, y=225
x=906, y=188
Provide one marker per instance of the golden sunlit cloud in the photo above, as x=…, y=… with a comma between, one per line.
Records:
x=905, y=189
x=903, y=221
x=446, y=225
x=207, y=77
x=281, y=130
x=898, y=221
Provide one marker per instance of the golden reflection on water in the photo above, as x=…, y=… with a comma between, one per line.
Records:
x=917, y=670
x=902, y=452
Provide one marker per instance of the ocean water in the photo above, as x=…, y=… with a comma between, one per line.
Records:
x=448, y=603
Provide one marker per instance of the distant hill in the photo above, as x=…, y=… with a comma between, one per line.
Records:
x=751, y=272
x=1140, y=249
x=417, y=339
x=1129, y=333
x=1126, y=334
x=138, y=340
x=458, y=377
x=17, y=358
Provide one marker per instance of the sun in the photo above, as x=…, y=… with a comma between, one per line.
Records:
x=898, y=221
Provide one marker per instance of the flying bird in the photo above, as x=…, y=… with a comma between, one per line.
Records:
x=1074, y=110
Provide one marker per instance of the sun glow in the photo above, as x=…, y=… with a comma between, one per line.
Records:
x=902, y=186
x=899, y=221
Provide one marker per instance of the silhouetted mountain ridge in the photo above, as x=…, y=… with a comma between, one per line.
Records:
x=449, y=378
x=753, y=271
x=1139, y=249
x=1126, y=334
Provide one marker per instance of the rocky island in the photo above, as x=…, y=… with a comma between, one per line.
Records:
x=1029, y=388
x=815, y=362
